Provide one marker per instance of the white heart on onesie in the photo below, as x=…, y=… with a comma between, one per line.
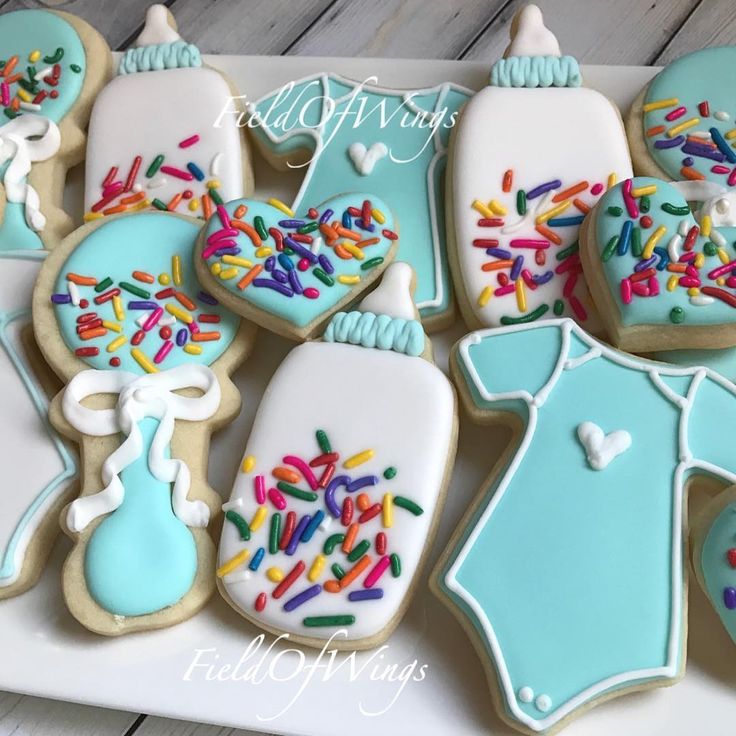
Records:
x=365, y=159
x=601, y=448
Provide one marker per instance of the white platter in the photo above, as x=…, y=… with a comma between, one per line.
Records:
x=46, y=653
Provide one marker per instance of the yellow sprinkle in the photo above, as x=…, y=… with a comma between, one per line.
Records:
x=721, y=281
x=497, y=208
x=193, y=349
x=705, y=225
x=232, y=563
x=279, y=205
x=237, y=261
x=644, y=191
x=164, y=279
x=660, y=104
x=359, y=459
x=176, y=270
x=378, y=216
x=485, y=296
x=349, y=279
x=228, y=273
x=520, y=295
x=693, y=291
x=258, y=518
x=353, y=250
x=193, y=204
x=672, y=283
x=214, y=184
x=114, y=326
x=316, y=569
x=612, y=179
x=275, y=574
x=549, y=214
x=249, y=462
x=179, y=313
x=677, y=129
x=654, y=238
x=119, y=341
x=723, y=256
x=34, y=56
x=388, y=510
x=117, y=307
x=140, y=357
x=699, y=260
x=730, y=134
x=140, y=206
x=263, y=252
x=215, y=268
x=89, y=216
x=25, y=96
x=478, y=206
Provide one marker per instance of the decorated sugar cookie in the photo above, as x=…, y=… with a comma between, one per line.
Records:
x=683, y=124
x=147, y=354
x=531, y=155
x=340, y=489
x=662, y=276
x=51, y=66
x=290, y=271
x=568, y=569
x=152, y=138
x=353, y=135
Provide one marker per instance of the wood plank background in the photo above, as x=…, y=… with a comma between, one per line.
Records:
x=629, y=32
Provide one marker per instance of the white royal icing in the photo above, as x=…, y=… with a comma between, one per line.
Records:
x=365, y=159
x=393, y=295
x=157, y=28
x=529, y=35
x=601, y=448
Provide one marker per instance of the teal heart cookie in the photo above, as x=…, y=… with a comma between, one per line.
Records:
x=662, y=277
x=291, y=271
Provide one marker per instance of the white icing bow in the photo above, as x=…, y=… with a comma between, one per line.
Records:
x=150, y=395
x=24, y=140
x=716, y=201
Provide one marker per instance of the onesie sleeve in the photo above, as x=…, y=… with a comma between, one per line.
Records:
x=711, y=423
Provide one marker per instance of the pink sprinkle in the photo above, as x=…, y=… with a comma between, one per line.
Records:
x=113, y=189
x=193, y=328
x=578, y=308
x=277, y=498
x=311, y=293
x=304, y=469
x=529, y=243
x=732, y=178
x=719, y=169
x=5, y=94
x=259, y=483
x=631, y=207
x=678, y=112
x=224, y=217
x=569, y=286
x=215, y=246
x=225, y=232
x=375, y=574
x=689, y=282
x=596, y=189
x=626, y=293
x=163, y=351
x=503, y=290
x=687, y=257
x=653, y=286
x=640, y=289
x=725, y=268
x=178, y=173
x=731, y=282
x=526, y=274
x=153, y=319
x=303, y=264
x=189, y=141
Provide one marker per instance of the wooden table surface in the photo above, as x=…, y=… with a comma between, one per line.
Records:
x=631, y=32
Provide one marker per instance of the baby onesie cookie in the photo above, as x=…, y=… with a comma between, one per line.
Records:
x=152, y=139
x=147, y=355
x=348, y=135
x=290, y=271
x=531, y=154
x=604, y=443
x=340, y=489
x=52, y=65
x=662, y=276
x=681, y=126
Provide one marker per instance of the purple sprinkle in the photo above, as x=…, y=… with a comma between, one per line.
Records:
x=729, y=598
x=333, y=485
x=326, y=264
x=295, y=283
x=499, y=253
x=275, y=285
x=302, y=597
x=291, y=224
x=300, y=250
x=643, y=265
x=326, y=216
x=142, y=305
x=61, y=299
x=543, y=278
x=371, y=594
x=543, y=189
x=269, y=263
x=516, y=268
x=227, y=251
x=358, y=483
x=688, y=161
x=279, y=275
x=697, y=149
x=182, y=336
x=671, y=143
x=297, y=534
x=363, y=226
x=203, y=296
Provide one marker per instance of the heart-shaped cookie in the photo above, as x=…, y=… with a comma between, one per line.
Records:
x=662, y=277
x=290, y=272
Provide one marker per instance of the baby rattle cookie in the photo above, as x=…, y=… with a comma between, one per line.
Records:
x=604, y=443
x=51, y=67
x=146, y=354
x=340, y=489
x=682, y=124
x=529, y=157
x=152, y=139
x=290, y=271
x=663, y=277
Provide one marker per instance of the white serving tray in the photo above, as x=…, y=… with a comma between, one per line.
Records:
x=46, y=653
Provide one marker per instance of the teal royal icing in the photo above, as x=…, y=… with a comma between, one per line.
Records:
x=705, y=76
x=722, y=360
x=176, y=55
x=328, y=113
x=377, y=331
x=536, y=71
x=572, y=576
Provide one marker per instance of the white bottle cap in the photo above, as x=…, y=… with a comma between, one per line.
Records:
x=393, y=296
x=529, y=35
x=157, y=28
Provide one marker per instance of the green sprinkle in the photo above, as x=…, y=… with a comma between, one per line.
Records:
x=615, y=211
x=288, y=251
x=644, y=203
x=31, y=87
x=531, y=317
x=159, y=205
x=389, y=473
x=371, y=263
x=710, y=249
x=155, y=165
x=636, y=247
x=323, y=441
x=10, y=113
x=337, y=571
x=610, y=249
x=677, y=316
x=405, y=503
x=358, y=551
x=274, y=533
x=559, y=307
x=240, y=522
x=395, y=565
x=331, y=542
x=75, y=68
x=104, y=284
x=673, y=209
x=310, y=227
x=574, y=248
x=324, y=277
x=521, y=202
x=133, y=289
x=215, y=195
x=260, y=227
x=54, y=58
x=344, y=620
x=296, y=492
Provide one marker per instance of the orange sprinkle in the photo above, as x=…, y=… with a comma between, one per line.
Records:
x=249, y=230
x=287, y=474
x=349, y=234
x=567, y=193
x=146, y=278
x=207, y=206
x=340, y=252
x=363, y=501
x=205, y=336
x=8, y=68
x=584, y=208
x=329, y=233
x=240, y=210
x=133, y=198
x=15, y=104
x=350, y=536
x=496, y=265
x=332, y=586
x=14, y=78
x=366, y=243
x=701, y=141
x=355, y=571
x=94, y=332
x=174, y=202
x=508, y=180
x=551, y=235
x=185, y=301
x=689, y=173
x=115, y=210
x=677, y=267
x=81, y=280
x=656, y=130
x=253, y=273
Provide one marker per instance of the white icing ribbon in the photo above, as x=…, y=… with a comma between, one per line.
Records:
x=150, y=395
x=24, y=140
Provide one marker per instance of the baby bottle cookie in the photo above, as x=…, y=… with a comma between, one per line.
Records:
x=147, y=354
x=152, y=139
x=340, y=488
x=530, y=155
